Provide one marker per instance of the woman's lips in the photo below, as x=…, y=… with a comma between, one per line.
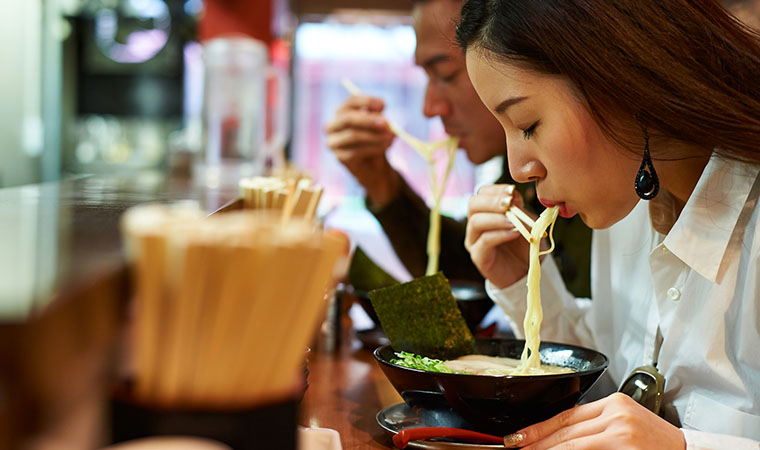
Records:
x=564, y=210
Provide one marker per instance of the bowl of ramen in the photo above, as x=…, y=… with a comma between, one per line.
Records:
x=477, y=392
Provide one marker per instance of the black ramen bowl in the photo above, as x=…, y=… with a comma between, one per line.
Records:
x=471, y=298
x=496, y=405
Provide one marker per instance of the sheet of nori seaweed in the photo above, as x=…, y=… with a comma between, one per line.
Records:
x=422, y=317
x=365, y=275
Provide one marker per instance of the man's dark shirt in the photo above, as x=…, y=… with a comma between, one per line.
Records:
x=406, y=221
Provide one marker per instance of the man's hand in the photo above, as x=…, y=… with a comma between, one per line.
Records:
x=359, y=137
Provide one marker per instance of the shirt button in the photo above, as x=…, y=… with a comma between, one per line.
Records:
x=674, y=294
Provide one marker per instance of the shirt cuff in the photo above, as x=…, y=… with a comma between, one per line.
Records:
x=699, y=440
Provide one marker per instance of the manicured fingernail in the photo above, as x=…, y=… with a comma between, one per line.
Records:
x=380, y=122
x=513, y=440
x=510, y=189
x=505, y=202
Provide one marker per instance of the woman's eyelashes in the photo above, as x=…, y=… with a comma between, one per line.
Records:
x=530, y=131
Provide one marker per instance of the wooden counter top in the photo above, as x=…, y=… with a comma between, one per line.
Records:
x=63, y=306
x=346, y=390
x=63, y=301
x=59, y=239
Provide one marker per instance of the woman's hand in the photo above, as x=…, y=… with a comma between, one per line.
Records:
x=616, y=421
x=498, y=250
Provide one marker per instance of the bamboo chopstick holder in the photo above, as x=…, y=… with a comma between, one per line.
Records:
x=227, y=305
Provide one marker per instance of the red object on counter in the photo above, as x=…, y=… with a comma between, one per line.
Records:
x=402, y=438
x=227, y=17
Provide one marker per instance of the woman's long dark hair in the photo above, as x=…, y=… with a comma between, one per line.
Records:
x=685, y=68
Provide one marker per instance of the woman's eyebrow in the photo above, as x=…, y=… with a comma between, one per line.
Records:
x=507, y=103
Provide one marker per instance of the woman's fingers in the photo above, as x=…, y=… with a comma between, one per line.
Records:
x=479, y=223
x=488, y=203
x=575, y=432
x=567, y=418
x=497, y=189
x=591, y=442
x=494, y=198
x=490, y=239
x=616, y=421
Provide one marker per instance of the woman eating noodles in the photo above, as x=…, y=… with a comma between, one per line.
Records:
x=643, y=118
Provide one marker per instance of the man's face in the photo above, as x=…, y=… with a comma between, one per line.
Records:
x=449, y=93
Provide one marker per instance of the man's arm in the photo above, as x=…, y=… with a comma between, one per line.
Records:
x=406, y=221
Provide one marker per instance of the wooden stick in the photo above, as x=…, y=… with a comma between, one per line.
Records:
x=523, y=216
x=234, y=311
x=198, y=356
x=519, y=225
x=247, y=194
x=311, y=304
x=302, y=200
x=311, y=208
x=175, y=324
x=286, y=320
x=150, y=264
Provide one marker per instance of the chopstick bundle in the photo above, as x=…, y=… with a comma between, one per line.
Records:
x=265, y=192
x=226, y=305
x=296, y=196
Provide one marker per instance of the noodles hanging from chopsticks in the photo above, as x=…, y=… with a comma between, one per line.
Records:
x=530, y=361
x=427, y=151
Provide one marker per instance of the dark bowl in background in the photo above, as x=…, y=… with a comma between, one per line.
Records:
x=496, y=405
x=471, y=298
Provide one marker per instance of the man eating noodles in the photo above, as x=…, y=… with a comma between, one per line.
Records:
x=359, y=136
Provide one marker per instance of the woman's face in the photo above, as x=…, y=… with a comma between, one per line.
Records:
x=553, y=140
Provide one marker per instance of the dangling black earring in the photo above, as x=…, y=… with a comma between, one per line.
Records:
x=647, y=184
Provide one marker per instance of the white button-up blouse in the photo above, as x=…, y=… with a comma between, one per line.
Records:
x=700, y=283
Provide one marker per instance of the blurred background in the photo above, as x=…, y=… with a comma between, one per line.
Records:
x=112, y=86
x=106, y=86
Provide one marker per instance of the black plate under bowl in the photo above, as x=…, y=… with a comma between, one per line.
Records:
x=471, y=298
x=497, y=405
x=399, y=417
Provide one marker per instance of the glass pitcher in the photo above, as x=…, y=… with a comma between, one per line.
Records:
x=241, y=128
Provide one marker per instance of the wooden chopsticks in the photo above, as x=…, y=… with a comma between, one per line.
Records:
x=291, y=197
x=517, y=216
x=226, y=305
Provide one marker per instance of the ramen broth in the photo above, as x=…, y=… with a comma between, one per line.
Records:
x=499, y=366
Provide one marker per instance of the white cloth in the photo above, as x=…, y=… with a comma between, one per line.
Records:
x=700, y=283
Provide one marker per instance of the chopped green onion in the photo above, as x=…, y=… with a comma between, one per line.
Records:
x=420, y=362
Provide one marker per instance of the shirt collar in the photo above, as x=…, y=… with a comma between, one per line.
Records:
x=704, y=228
